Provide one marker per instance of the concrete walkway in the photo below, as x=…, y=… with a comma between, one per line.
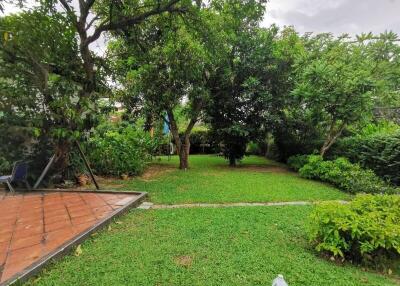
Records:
x=148, y=205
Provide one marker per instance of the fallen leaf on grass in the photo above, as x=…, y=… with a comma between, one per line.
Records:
x=78, y=250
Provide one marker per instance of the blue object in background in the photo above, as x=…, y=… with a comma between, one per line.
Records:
x=166, y=125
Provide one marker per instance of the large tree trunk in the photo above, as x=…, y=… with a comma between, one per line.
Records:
x=182, y=145
x=184, y=153
x=62, y=150
x=184, y=157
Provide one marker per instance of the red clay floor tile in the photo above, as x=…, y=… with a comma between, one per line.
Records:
x=32, y=225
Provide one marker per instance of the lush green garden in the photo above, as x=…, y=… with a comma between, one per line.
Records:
x=214, y=246
x=318, y=113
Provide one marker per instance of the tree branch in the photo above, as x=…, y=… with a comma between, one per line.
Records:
x=69, y=11
x=130, y=21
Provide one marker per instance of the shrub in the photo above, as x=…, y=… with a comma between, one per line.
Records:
x=379, y=152
x=120, y=150
x=297, y=161
x=201, y=142
x=345, y=175
x=5, y=165
x=253, y=148
x=367, y=228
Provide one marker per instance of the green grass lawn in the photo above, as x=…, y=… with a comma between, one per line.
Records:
x=207, y=246
x=210, y=180
x=234, y=246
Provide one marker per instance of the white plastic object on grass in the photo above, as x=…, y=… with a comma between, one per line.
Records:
x=279, y=281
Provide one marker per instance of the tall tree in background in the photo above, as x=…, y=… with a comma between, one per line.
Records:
x=237, y=93
x=336, y=86
x=163, y=62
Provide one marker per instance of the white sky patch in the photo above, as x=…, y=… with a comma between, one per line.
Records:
x=335, y=16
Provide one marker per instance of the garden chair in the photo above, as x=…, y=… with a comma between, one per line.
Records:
x=19, y=174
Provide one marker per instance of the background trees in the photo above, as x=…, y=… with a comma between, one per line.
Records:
x=210, y=62
x=162, y=63
x=335, y=84
x=49, y=52
x=39, y=78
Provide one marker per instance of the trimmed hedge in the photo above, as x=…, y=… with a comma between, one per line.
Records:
x=378, y=152
x=366, y=229
x=341, y=173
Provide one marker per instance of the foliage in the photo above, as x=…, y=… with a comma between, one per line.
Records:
x=253, y=148
x=324, y=86
x=365, y=229
x=346, y=176
x=5, y=165
x=201, y=141
x=45, y=56
x=39, y=83
x=293, y=127
x=238, y=94
x=297, y=162
x=379, y=152
x=335, y=83
x=123, y=149
x=159, y=70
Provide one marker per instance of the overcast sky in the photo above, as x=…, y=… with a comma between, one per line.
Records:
x=335, y=16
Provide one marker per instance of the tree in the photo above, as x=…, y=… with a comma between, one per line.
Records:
x=238, y=95
x=86, y=24
x=38, y=76
x=161, y=63
x=336, y=85
x=293, y=129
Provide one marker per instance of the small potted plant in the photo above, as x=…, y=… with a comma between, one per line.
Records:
x=82, y=179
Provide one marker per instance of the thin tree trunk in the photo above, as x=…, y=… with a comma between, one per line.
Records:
x=232, y=160
x=183, y=146
x=332, y=137
x=174, y=131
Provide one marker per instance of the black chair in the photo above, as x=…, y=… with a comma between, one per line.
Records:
x=19, y=174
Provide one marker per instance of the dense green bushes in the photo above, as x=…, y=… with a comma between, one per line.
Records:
x=341, y=173
x=379, y=152
x=116, y=150
x=366, y=229
x=297, y=162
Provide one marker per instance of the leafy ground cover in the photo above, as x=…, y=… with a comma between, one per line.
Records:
x=230, y=246
x=210, y=180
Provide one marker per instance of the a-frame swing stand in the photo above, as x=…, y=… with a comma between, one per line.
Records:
x=53, y=158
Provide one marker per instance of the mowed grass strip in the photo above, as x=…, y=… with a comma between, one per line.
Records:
x=227, y=246
x=210, y=180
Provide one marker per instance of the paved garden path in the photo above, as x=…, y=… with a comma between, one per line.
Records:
x=148, y=205
x=37, y=226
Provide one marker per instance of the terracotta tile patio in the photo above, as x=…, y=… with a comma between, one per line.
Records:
x=34, y=226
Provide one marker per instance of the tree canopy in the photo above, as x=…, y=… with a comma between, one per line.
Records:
x=210, y=60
